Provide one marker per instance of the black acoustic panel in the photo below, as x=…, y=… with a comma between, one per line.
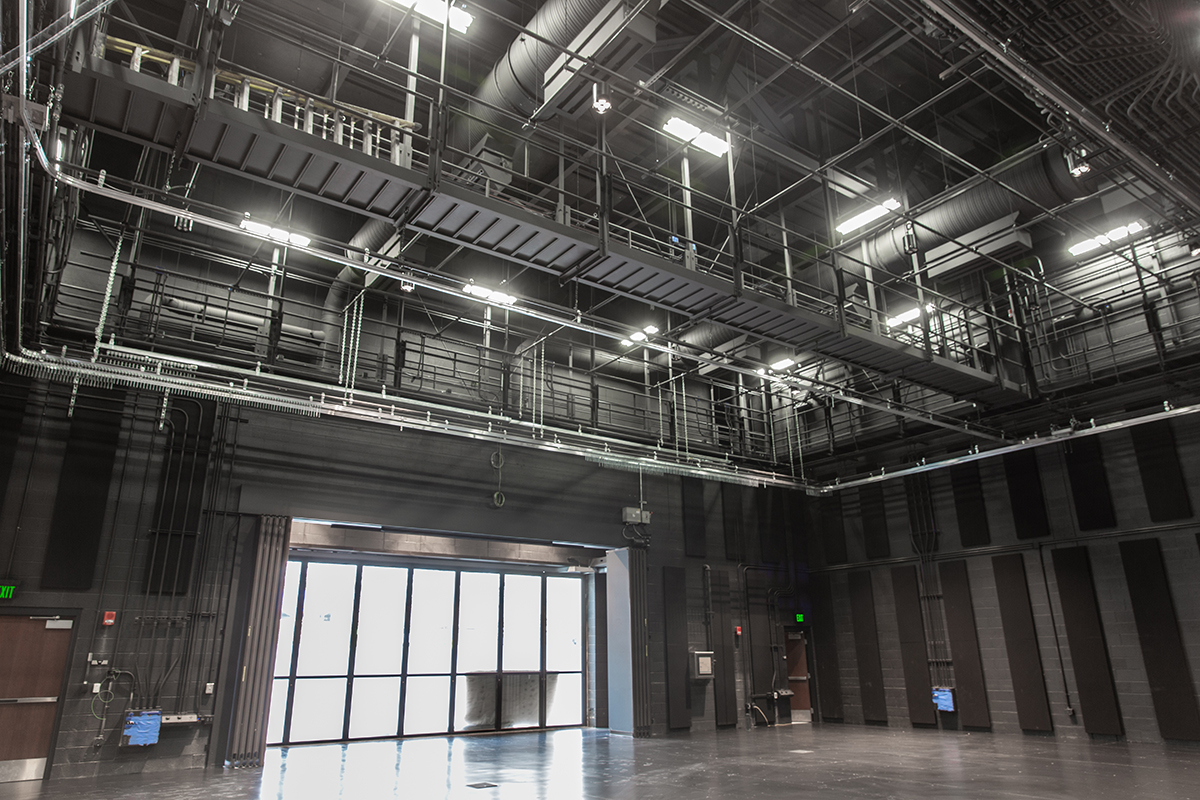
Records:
x=832, y=528
x=760, y=637
x=1021, y=643
x=770, y=524
x=1089, y=484
x=1162, y=476
x=866, y=646
x=874, y=520
x=913, y=650
x=694, y=534
x=964, y=645
x=1025, y=494
x=796, y=527
x=734, y=518
x=969, y=505
x=14, y=395
x=1085, y=636
x=78, y=519
x=829, y=676
x=1167, y=669
x=675, y=638
x=724, y=655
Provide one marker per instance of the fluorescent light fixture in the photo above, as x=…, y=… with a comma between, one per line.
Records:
x=762, y=371
x=682, y=129
x=638, y=336
x=651, y=329
x=278, y=234
x=908, y=316
x=492, y=296
x=1115, y=235
x=870, y=215
x=435, y=10
x=626, y=343
x=783, y=363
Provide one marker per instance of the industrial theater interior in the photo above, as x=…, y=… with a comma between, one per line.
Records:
x=600, y=398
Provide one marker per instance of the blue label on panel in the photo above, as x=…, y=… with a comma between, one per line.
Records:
x=943, y=699
x=141, y=728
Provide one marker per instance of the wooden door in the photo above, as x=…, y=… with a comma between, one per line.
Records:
x=797, y=660
x=33, y=657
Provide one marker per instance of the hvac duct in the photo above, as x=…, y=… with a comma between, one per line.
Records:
x=371, y=236
x=1044, y=179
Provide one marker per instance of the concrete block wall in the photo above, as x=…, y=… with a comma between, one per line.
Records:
x=1180, y=551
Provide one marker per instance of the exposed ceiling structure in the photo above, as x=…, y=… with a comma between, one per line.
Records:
x=805, y=243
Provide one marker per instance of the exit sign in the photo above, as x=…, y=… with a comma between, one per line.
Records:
x=799, y=618
x=8, y=591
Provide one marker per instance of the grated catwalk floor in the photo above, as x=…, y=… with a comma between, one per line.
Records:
x=832, y=762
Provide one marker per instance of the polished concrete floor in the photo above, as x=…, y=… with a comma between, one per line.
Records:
x=828, y=762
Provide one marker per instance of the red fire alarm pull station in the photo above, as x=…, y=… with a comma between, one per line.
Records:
x=737, y=631
x=110, y=618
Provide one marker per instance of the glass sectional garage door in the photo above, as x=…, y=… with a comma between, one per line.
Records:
x=369, y=651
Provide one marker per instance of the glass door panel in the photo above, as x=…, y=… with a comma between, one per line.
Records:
x=319, y=710
x=287, y=622
x=478, y=618
x=379, y=648
x=375, y=707
x=475, y=703
x=278, y=710
x=521, y=701
x=427, y=704
x=325, y=626
x=432, y=627
x=522, y=623
x=564, y=699
x=564, y=625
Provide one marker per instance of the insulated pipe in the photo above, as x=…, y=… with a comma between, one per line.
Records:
x=1044, y=179
x=371, y=236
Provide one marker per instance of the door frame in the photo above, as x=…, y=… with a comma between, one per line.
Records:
x=810, y=663
x=73, y=614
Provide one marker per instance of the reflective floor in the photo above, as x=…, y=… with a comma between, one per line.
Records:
x=831, y=761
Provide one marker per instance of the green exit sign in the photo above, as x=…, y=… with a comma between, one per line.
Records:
x=799, y=618
x=8, y=591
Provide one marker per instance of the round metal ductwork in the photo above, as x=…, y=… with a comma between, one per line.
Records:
x=1044, y=179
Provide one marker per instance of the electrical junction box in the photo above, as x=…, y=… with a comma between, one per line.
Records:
x=632, y=515
x=702, y=664
x=141, y=728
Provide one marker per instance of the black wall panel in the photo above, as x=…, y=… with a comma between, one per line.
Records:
x=874, y=521
x=913, y=651
x=832, y=528
x=1021, y=643
x=601, y=649
x=1167, y=669
x=78, y=520
x=1025, y=494
x=829, y=676
x=1085, y=636
x=973, y=529
x=733, y=515
x=1162, y=476
x=675, y=637
x=694, y=534
x=770, y=524
x=724, y=655
x=866, y=646
x=760, y=637
x=964, y=646
x=14, y=395
x=1089, y=484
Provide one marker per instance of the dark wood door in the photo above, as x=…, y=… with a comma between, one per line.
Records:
x=33, y=656
x=798, y=678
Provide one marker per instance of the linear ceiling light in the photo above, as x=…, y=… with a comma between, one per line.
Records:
x=783, y=363
x=870, y=215
x=492, y=296
x=278, y=234
x=682, y=129
x=1115, y=235
x=908, y=316
x=460, y=19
